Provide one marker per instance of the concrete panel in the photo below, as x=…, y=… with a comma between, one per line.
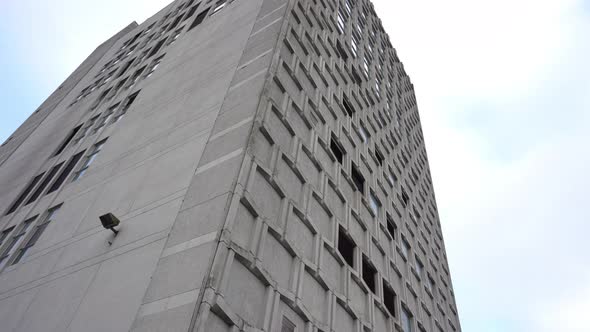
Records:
x=246, y=294
x=115, y=196
x=343, y=322
x=170, y=172
x=56, y=302
x=113, y=298
x=277, y=261
x=12, y=309
x=301, y=235
x=199, y=220
x=167, y=281
x=315, y=298
x=266, y=197
x=244, y=225
x=216, y=324
x=173, y=320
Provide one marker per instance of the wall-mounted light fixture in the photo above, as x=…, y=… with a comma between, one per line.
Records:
x=109, y=221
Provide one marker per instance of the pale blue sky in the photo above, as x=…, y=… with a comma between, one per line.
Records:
x=503, y=89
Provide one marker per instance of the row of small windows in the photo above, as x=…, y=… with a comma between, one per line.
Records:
x=379, y=156
x=57, y=182
x=346, y=247
x=391, y=178
x=16, y=241
x=133, y=45
x=342, y=17
x=338, y=153
x=358, y=179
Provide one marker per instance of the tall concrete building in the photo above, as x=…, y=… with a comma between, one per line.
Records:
x=266, y=163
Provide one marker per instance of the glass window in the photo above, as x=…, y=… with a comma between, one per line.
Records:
x=405, y=248
x=39, y=229
x=125, y=107
x=287, y=325
x=104, y=120
x=366, y=67
x=154, y=66
x=374, y=203
x=430, y=284
x=340, y=22
x=419, y=267
x=135, y=78
x=406, y=320
x=84, y=130
x=25, y=193
x=5, y=234
x=65, y=172
x=16, y=240
x=219, y=6
x=363, y=133
x=89, y=159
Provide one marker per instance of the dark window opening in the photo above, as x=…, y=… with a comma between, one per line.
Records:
x=67, y=141
x=337, y=150
x=379, y=155
x=356, y=76
x=369, y=274
x=101, y=98
x=124, y=70
x=65, y=172
x=5, y=234
x=405, y=198
x=157, y=47
x=199, y=19
x=133, y=39
x=44, y=184
x=126, y=106
x=15, y=240
x=191, y=12
x=348, y=106
x=389, y=299
x=175, y=23
x=22, y=252
x=341, y=51
x=25, y=193
x=130, y=100
x=358, y=179
x=346, y=247
x=287, y=325
x=391, y=228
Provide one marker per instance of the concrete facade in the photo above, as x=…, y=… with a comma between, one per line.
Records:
x=266, y=160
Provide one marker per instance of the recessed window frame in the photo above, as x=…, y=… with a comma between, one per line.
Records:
x=96, y=149
x=369, y=274
x=16, y=239
x=65, y=172
x=35, y=235
x=337, y=150
x=346, y=247
x=407, y=320
x=357, y=178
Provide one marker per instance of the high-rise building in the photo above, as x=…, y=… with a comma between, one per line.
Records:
x=266, y=163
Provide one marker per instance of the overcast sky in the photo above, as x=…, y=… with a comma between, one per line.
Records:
x=503, y=89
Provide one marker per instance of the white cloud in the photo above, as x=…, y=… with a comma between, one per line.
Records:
x=502, y=88
x=569, y=313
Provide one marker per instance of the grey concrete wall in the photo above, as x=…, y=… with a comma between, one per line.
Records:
x=78, y=276
x=233, y=204
x=278, y=258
